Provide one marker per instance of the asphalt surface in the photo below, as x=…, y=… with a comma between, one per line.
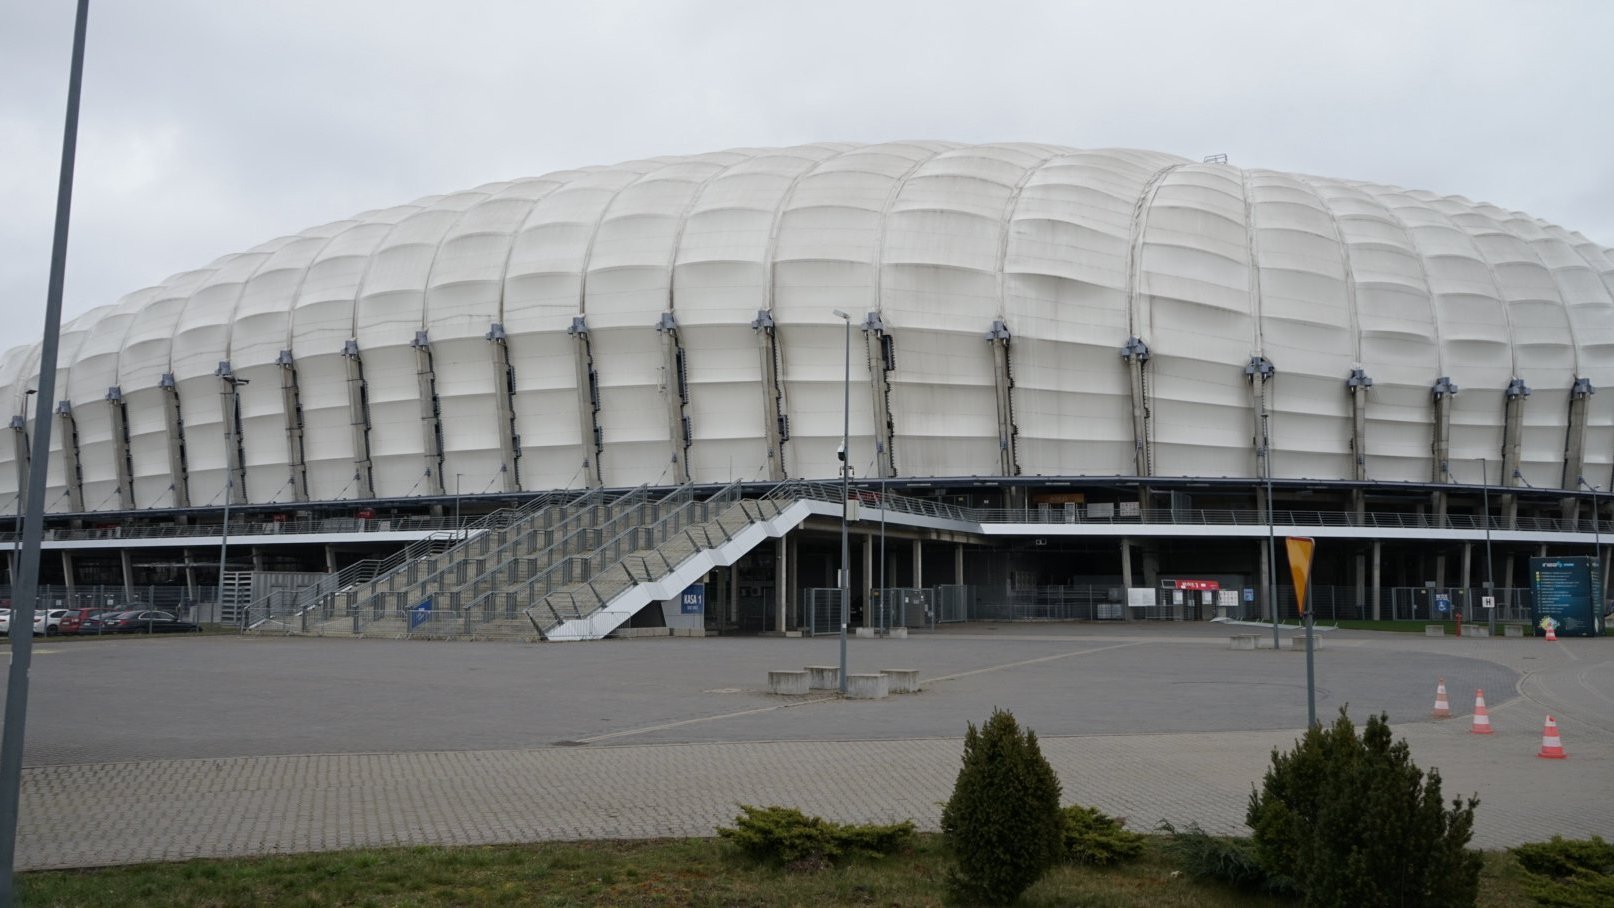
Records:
x=167, y=748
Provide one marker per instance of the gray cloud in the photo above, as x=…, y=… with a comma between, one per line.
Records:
x=210, y=127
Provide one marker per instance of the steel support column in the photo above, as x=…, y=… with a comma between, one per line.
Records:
x=1512, y=436
x=291, y=402
x=358, y=405
x=504, y=394
x=431, y=414
x=122, y=462
x=1003, y=382
x=177, y=468
x=74, y=474
x=775, y=424
x=1136, y=353
x=882, y=361
x=588, y=404
x=675, y=394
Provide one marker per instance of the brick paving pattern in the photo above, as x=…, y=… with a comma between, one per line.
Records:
x=677, y=759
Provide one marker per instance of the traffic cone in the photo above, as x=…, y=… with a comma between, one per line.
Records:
x=1482, y=719
x=1442, y=707
x=1552, y=632
x=1551, y=747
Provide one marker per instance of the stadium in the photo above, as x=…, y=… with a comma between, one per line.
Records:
x=550, y=407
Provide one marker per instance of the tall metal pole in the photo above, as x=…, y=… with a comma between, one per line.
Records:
x=846, y=462
x=22, y=615
x=883, y=613
x=1485, y=497
x=232, y=437
x=1272, y=556
x=1597, y=551
x=457, y=477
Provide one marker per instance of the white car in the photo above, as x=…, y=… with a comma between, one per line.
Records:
x=5, y=621
x=47, y=621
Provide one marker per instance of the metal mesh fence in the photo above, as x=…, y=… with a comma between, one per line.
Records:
x=819, y=610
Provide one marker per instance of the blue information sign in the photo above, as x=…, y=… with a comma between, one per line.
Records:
x=693, y=601
x=420, y=614
x=1562, y=596
x=1443, y=603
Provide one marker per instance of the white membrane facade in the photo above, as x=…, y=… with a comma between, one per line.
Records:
x=1012, y=310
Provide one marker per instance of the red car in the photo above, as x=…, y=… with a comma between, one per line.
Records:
x=73, y=621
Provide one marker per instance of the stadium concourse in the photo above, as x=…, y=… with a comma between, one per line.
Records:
x=1073, y=383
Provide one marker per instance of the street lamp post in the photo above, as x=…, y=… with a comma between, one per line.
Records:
x=1597, y=549
x=232, y=436
x=1272, y=555
x=846, y=460
x=457, y=478
x=1490, y=584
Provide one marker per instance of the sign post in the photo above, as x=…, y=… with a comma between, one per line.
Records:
x=1300, y=550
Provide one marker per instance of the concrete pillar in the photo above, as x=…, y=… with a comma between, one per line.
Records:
x=734, y=594
x=257, y=559
x=958, y=563
x=330, y=559
x=67, y=571
x=793, y=576
x=1266, y=583
x=918, y=564
x=190, y=576
x=1126, y=562
x=780, y=582
x=1378, y=561
x=128, y=574
x=1465, y=580
x=1361, y=582
x=1440, y=570
x=868, y=580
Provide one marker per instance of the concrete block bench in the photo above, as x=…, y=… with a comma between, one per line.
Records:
x=824, y=677
x=793, y=681
x=1514, y=630
x=863, y=632
x=903, y=680
x=1298, y=642
x=900, y=633
x=1477, y=632
x=867, y=687
x=1243, y=641
x=1434, y=630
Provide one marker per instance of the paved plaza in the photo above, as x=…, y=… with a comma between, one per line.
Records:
x=167, y=749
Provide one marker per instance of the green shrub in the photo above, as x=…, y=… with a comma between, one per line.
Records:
x=1227, y=859
x=1355, y=822
x=1003, y=821
x=785, y=835
x=1569, y=873
x=1093, y=837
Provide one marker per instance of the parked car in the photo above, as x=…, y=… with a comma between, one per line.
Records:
x=136, y=622
x=5, y=622
x=48, y=621
x=73, y=621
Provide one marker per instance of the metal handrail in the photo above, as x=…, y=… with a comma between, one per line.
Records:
x=379, y=568
x=559, y=559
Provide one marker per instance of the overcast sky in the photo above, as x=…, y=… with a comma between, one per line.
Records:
x=208, y=127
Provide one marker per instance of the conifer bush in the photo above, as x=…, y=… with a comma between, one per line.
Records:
x=1094, y=837
x=1353, y=821
x=1003, y=822
x=785, y=835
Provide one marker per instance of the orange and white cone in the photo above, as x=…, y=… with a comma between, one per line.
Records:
x=1442, y=706
x=1552, y=632
x=1552, y=747
x=1482, y=719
